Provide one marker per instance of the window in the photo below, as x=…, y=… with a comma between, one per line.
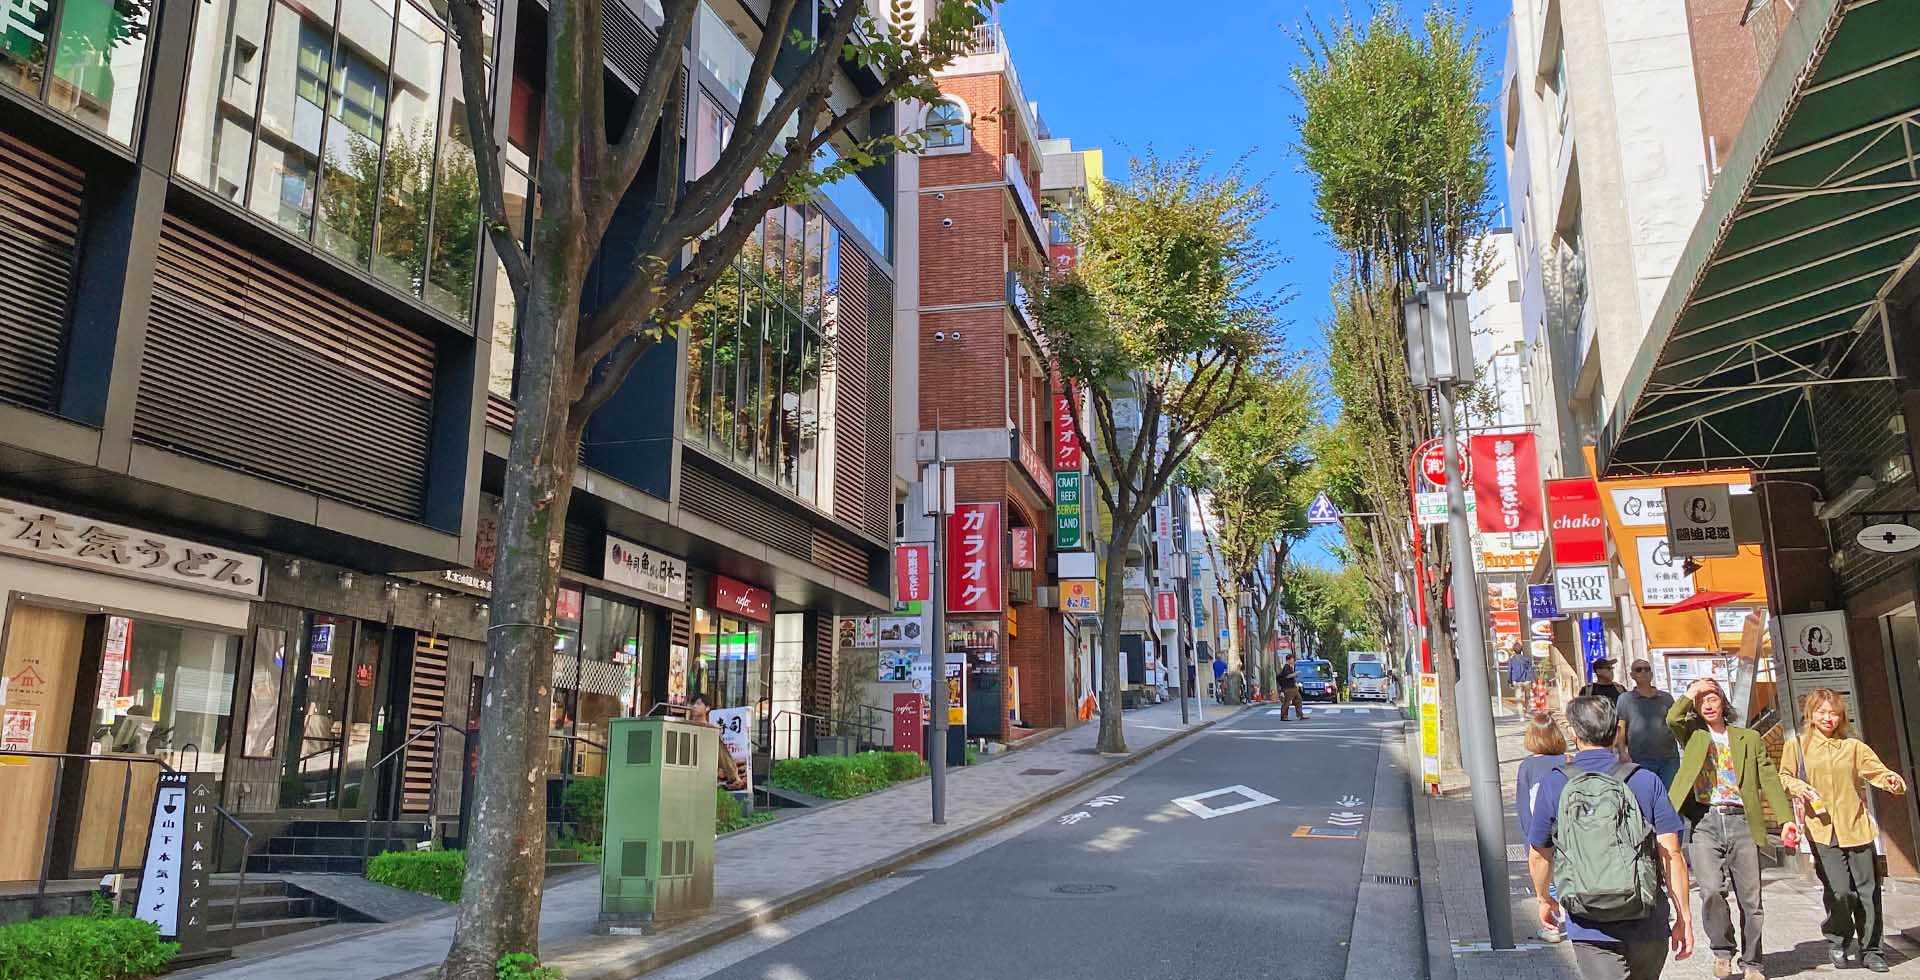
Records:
x=863, y=208
x=98, y=48
x=946, y=126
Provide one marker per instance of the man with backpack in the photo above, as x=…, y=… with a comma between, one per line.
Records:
x=1602, y=832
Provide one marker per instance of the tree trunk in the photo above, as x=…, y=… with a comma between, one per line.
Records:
x=500, y=905
x=1112, y=606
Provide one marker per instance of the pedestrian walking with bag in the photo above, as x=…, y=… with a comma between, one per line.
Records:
x=1824, y=770
x=1725, y=775
x=1604, y=845
x=1546, y=751
x=1289, y=687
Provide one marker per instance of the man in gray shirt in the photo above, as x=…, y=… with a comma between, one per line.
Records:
x=1643, y=713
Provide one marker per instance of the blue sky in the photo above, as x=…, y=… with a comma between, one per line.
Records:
x=1122, y=75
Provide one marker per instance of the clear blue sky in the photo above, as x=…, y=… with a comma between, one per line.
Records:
x=1125, y=76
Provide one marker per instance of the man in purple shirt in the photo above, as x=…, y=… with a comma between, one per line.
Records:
x=1635, y=949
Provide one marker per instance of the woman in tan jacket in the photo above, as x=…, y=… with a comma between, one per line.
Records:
x=1823, y=770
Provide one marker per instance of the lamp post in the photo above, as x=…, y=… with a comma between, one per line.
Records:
x=936, y=484
x=1440, y=354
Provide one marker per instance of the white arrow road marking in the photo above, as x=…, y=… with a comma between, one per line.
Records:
x=1346, y=818
x=1074, y=818
x=1252, y=798
x=1100, y=801
x=1351, y=800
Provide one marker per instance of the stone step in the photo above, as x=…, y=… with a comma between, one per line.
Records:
x=222, y=934
x=266, y=908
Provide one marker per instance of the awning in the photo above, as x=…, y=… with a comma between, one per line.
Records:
x=1813, y=219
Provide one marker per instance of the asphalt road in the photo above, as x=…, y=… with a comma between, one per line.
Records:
x=1123, y=881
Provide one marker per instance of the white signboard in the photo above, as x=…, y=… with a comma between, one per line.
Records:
x=1641, y=506
x=898, y=631
x=1662, y=580
x=50, y=535
x=913, y=667
x=1079, y=564
x=1818, y=654
x=1700, y=522
x=645, y=570
x=1731, y=620
x=1582, y=588
x=1433, y=506
x=734, y=735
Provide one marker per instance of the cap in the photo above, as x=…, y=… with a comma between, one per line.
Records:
x=1603, y=662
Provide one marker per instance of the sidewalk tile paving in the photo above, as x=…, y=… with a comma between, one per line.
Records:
x=756, y=870
x=1794, y=946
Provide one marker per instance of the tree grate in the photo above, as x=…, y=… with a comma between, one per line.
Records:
x=1041, y=772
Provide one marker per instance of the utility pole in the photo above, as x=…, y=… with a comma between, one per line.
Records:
x=933, y=482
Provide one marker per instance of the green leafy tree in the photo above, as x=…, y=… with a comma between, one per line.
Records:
x=1161, y=322
x=685, y=240
x=1394, y=133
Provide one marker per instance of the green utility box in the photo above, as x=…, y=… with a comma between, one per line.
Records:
x=657, y=864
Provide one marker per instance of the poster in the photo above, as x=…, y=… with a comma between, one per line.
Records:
x=321, y=665
x=16, y=730
x=956, y=689
x=1430, y=730
x=913, y=667
x=734, y=735
x=320, y=639
x=113, y=660
x=896, y=631
x=677, y=675
x=1663, y=579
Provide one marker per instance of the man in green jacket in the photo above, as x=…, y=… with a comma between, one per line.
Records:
x=1724, y=776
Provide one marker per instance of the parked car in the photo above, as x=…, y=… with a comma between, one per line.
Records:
x=1317, y=680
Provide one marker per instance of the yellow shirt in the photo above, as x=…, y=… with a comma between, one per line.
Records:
x=1835, y=768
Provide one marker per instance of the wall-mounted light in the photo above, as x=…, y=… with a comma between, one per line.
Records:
x=433, y=601
x=393, y=590
x=480, y=608
x=1860, y=489
x=293, y=568
x=346, y=580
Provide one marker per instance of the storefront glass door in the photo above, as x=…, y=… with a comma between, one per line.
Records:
x=316, y=744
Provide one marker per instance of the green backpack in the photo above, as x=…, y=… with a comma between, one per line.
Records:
x=1604, y=863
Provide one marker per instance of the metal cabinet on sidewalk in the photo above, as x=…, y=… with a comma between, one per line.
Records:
x=657, y=862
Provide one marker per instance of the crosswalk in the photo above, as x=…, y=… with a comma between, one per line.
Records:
x=1327, y=710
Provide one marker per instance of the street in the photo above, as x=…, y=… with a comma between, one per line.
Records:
x=1240, y=853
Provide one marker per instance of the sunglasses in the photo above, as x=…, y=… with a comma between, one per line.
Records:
x=1643, y=670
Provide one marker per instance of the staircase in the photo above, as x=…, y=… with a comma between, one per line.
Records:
x=267, y=909
x=333, y=846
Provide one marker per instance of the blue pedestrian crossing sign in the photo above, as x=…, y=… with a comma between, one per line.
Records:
x=1322, y=511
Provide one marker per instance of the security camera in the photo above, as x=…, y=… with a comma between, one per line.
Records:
x=939, y=195
x=939, y=335
x=946, y=222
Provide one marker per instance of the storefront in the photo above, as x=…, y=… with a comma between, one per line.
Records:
x=121, y=648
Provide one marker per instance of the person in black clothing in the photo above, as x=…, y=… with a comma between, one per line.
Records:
x=1603, y=685
x=1289, y=684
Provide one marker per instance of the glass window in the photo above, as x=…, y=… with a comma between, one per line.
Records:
x=767, y=392
x=712, y=128
x=23, y=48
x=597, y=676
x=456, y=217
x=166, y=691
x=869, y=215
x=746, y=424
x=223, y=95
x=807, y=419
x=502, y=360
x=99, y=63
x=287, y=159
x=792, y=389
x=723, y=53
x=946, y=125
x=727, y=664
x=358, y=104
x=406, y=179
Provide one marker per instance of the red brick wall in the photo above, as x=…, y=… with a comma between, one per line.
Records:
x=966, y=261
x=1729, y=60
x=984, y=96
x=964, y=380
x=1037, y=653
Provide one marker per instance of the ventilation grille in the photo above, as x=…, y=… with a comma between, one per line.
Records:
x=500, y=413
x=842, y=559
x=853, y=390
x=426, y=705
x=640, y=748
x=706, y=495
x=819, y=682
x=256, y=369
x=680, y=629
x=633, y=859
x=879, y=451
x=39, y=226
x=676, y=859
x=579, y=550
x=629, y=44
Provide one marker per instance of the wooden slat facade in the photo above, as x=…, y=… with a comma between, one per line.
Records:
x=39, y=231
x=426, y=705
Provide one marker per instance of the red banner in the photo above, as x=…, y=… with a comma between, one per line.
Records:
x=1578, y=533
x=973, y=559
x=1506, y=482
x=1066, y=443
x=735, y=596
x=1063, y=256
x=912, y=572
x=909, y=714
x=1022, y=548
x=1166, y=608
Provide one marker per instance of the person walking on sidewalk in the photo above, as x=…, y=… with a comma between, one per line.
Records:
x=1725, y=775
x=1289, y=686
x=1643, y=710
x=1606, y=944
x=1823, y=770
x=1546, y=751
x=1603, y=684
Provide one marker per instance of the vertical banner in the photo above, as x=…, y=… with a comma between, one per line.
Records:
x=1066, y=511
x=973, y=559
x=1506, y=482
x=1578, y=535
x=1166, y=608
x=1022, y=545
x=912, y=568
x=734, y=736
x=1430, y=731
x=1066, y=443
x=909, y=715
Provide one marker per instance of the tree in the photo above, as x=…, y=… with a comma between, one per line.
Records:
x=1329, y=610
x=1252, y=468
x=596, y=163
x=1394, y=131
x=1159, y=323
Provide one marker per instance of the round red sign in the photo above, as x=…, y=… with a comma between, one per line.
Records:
x=1433, y=463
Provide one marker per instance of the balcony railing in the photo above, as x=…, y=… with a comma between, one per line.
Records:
x=1029, y=205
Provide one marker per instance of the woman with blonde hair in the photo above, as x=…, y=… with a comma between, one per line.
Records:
x=1823, y=770
x=1546, y=750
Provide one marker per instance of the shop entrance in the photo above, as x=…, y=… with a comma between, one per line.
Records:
x=337, y=722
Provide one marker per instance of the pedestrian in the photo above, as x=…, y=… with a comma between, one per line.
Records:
x=1622, y=896
x=1643, y=710
x=729, y=772
x=1546, y=751
x=1603, y=684
x=1520, y=675
x=1220, y=679
x=1289, y=687
x=1725, y=775
x=1823, y=769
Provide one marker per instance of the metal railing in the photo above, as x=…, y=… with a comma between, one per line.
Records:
x=865, y=734
x=433, y=788
x=567, y=758
x=246, y=853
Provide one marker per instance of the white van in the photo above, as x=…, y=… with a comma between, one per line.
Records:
x=1367, y=676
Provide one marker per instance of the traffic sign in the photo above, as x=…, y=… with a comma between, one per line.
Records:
x=1433, y=463
x=1322, y=511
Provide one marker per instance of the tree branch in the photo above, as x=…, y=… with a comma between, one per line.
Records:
x=469, y=35
x=658, y=90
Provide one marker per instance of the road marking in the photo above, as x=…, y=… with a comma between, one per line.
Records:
x=1073, y=818
x=1306, y=830
x=1100, y=801
x=1192, y=804
x=1346, y=818
x=1352, y=800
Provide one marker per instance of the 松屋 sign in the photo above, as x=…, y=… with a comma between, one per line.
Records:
x=1080, y=595
x=646, y=570
x=1506, y=482
x=1700, y=521
x=55, y=536
x=973, y=559
x=1582, y=588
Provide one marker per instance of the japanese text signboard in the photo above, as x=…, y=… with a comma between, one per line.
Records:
x=1578, y=533
x=51, y=535
x=1506, y=482
x=1166, y=608
x=1700, y=521
x=1067, y=522
x=179, y=859
x=735, y=596
x=973, y=559
x=1818, y=654
x=645, y=570
x=912, y=572
x=1663, y=577
x=1066, y=442
x=1021, y=539
x=1080, y=595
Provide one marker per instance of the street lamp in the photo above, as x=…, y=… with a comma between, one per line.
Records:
x=1440, y=355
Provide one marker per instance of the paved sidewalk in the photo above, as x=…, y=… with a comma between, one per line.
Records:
x=1457, y=921
x=764, y=872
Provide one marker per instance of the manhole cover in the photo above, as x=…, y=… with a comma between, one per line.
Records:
x=1406, y=880
x=1084, y=888
x=1041, y=772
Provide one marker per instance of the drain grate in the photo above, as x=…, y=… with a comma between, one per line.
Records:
x=1084, y=888
x=1407, y=881
x=911, y=872
x=1041, y=772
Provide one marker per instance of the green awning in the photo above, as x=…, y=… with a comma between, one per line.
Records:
x=1814, y=217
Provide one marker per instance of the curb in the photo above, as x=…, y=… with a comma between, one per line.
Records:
x=1433, y=916
x=705, y=939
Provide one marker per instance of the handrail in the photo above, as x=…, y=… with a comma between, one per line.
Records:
x=843, y=724
x=53, y=810
x=372, y=774
x=196, y=754
x=246, y=854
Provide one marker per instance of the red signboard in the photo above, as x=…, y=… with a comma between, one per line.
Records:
x=1578, y=533
x=1066, y=443
x=1022, y=556
x=1063, y=256
x=1506, y=482
x=1433, y=463
x=735, y=596
x=1166, y=608
x=909, y=713
x=973, y=559
x=913, y=572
